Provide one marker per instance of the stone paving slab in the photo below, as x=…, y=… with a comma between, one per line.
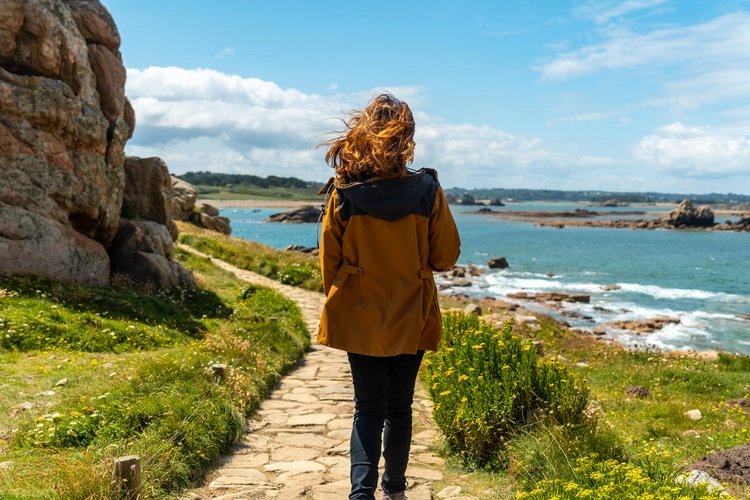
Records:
x=297, y=444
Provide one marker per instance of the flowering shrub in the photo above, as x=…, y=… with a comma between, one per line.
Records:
x=613, y=479
x=487, y=384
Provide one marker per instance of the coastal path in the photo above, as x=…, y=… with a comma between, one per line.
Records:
x=297, y=444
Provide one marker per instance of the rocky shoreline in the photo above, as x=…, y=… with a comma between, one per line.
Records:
x=686, y=217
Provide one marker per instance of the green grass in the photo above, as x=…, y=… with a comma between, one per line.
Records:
x=651, y=438
x=289, y=268
x=147, y=390
x=249, y=192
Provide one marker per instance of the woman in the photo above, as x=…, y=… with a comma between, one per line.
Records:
x=385, y=230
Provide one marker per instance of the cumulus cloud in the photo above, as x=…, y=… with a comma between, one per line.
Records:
x=695, y=151
x=206, y=120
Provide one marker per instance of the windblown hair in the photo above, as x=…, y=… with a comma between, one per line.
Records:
x=377, y=141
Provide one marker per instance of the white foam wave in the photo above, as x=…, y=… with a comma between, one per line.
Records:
x=658, y=292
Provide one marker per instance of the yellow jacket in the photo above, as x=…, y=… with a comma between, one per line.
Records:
x=381, y=241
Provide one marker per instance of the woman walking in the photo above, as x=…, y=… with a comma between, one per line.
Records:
x=385, y=230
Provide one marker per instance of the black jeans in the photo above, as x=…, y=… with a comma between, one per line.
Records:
x=383, y=394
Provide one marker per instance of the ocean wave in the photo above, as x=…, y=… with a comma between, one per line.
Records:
x=658, y=292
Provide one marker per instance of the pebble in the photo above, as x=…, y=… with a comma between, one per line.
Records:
x=61, y=382
x=448, y=492
x=693, y=414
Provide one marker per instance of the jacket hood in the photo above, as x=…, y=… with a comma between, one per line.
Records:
x=389, y=199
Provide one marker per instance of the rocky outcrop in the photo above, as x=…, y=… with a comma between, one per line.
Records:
x=498, y=263
x=686, y=215
x=62, y=137
x=143, y=246
x=468, y=199
x=144, y=249
x=497, y=202
x=298, y=216
x=183, y=199
x=148, y=190
x=641, y=326
x=207, y=216
x=451, y=198
x=552, y=297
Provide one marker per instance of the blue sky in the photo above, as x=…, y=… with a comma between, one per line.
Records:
x=622, y=95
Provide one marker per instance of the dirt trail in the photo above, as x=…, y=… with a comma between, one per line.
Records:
x=297, y=445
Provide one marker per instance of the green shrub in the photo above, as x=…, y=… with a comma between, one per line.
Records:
x=487, y=384
x=597, y=480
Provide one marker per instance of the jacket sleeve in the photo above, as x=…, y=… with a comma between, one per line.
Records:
x=445, y=243
x=331, y=252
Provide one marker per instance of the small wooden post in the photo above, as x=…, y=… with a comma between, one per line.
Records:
x=128, y=477
x=220, y=370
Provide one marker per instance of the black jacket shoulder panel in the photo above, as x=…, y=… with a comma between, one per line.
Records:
x=389, y=199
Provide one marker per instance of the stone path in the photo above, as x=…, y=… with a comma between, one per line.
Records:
x=297, y=445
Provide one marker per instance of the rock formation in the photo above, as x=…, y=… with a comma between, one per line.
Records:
x=62, y=136
x=207, y=216
x=498, y=263
x=467, y=199
x=143, y=249
x=182, y=200
x=497, y=202
x=148, y=192
x=451, y=198
x=64, y=181
x=301, y=215
x=143, y=246
x=688, y=216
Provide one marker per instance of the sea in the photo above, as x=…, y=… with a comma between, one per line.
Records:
x=701, y=278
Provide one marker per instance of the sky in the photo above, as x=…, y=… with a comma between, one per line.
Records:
x=613, y=95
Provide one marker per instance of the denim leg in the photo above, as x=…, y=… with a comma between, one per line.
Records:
x=402, y=373
x=369, y=377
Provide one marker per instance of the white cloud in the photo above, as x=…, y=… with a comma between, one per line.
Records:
x=604, y=11
x=717, y=45
x=695, y=151
x=206, y=120
x=228, y=51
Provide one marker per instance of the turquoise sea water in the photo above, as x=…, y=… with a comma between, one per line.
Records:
x=702, y=278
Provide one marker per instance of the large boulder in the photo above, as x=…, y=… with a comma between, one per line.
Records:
x=183, y=199
x=690, y=216
x=207, y=216
x=148, y=190
x=144, y=250
x=62, y=157
x=498, y=263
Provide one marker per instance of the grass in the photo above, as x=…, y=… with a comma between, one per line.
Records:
x=651, y=437
x=290, y=268
x=250, y=192
x=138, y=379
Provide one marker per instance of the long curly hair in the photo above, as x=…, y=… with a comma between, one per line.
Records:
x=377, y=141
